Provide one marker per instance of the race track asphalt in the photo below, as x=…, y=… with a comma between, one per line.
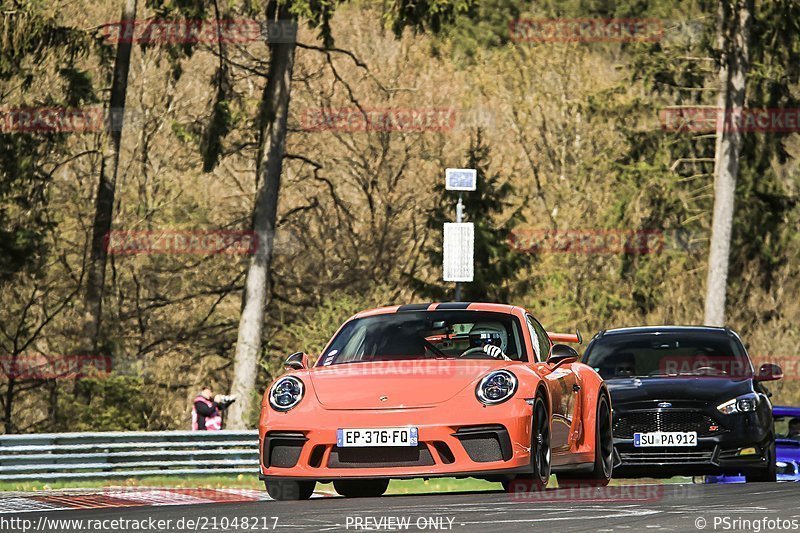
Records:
x=682, y=507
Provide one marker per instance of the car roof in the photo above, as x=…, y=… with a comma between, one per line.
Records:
x=664, y=329
x=439, y=306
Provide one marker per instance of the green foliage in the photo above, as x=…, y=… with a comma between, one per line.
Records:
x=22, y=194
x=312, y=332
x=219, y=125
x=29, y=32
x=484, y=26
x=426, y=15
x=112, y=403
x=79, y=88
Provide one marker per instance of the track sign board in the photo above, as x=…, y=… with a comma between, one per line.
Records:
x=459, y=246
x=460, y=179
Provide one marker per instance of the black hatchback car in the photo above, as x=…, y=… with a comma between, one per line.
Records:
x=686, y=401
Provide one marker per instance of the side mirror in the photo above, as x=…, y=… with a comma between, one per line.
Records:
x=769, y=372
x=296, y=361
x=561, y=354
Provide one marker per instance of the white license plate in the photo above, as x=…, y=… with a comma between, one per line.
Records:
x=665, y=438
x=360, y=437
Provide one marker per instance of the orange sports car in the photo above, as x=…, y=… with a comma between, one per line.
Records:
x=436, y=390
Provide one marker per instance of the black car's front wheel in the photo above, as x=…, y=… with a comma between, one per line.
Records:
x=361, y=488
x=286, y=490
x=769, y=473
x=540, y=454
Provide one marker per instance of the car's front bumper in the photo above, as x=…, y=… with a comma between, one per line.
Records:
x=741, y=445
x=491, y=442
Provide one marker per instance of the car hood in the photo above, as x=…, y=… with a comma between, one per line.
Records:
x=396, y=384
x=649, y=391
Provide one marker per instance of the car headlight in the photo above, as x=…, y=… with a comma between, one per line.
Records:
x=496, y=387
x=743, y=404
x=286, y=393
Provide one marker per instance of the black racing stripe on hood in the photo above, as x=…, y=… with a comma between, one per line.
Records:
x=413, y=307
x=453, y=306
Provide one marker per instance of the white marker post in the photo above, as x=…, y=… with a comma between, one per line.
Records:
x=459, y=237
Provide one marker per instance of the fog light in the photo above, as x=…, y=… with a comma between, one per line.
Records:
x=748, y=451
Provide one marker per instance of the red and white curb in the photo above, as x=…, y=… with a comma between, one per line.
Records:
x=118, y=497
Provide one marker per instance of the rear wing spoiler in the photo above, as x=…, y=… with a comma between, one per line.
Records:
x=566, y=337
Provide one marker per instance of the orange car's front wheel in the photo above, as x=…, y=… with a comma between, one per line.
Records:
x=603, y=453
x=540, y=454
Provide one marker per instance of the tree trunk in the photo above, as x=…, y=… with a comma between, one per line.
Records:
x=272, y=127
x=8, y=404
x=104, y=202
x=733, y=38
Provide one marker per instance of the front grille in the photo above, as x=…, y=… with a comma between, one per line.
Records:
x=649, y=421
x=379, y=457
x=282, y=449
x=665, y=457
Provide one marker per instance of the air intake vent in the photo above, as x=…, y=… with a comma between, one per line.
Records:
x=282, y=449
x=379, y=457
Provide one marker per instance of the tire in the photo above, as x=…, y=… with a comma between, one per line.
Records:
x=768, y=474
x=603, y=467
x=540, y=454
x=286, y=490
x=361, y=488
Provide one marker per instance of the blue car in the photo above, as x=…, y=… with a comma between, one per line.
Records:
x=787, y=440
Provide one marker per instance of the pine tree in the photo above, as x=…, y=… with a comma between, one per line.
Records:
x=491, y=209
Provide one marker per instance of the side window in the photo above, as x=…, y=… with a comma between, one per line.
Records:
x=518, y=352
x=540, y=341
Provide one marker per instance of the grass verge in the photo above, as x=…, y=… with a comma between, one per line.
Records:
x=397, y=486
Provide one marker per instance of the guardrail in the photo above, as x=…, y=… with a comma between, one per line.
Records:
x=69, y=456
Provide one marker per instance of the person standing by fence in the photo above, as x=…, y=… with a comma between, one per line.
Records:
x=207, y=410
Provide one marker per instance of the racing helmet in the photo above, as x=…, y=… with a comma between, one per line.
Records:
x=485, y=333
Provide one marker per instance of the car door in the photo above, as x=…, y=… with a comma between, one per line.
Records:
x=561, y=384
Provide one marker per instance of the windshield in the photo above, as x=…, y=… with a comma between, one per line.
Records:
x=427, y=335
x=787, y=427
x=668, y=354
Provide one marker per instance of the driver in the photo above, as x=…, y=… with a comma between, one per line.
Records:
x=794, y=428
x=491, y=337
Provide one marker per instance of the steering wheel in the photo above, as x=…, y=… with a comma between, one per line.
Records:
x=474, y=350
